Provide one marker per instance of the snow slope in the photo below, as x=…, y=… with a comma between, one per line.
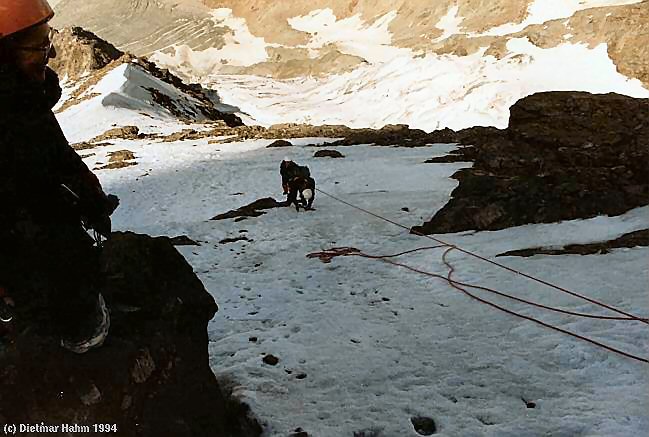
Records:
x=379, y=344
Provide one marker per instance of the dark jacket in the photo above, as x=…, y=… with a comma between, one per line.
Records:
x=48, y=262
x=290, y=170
x=35, y=158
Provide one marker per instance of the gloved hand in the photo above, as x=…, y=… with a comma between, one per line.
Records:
x=99, y=220
x=112, y=202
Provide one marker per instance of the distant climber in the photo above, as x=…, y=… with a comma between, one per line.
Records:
x=48, y=196
x=289, y=170
x=297, y=184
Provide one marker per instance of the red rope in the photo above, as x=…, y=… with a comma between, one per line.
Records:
x=532, y=319
x=541, y=281
x=327, y=255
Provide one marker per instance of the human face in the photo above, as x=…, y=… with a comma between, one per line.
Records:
x=34, y=50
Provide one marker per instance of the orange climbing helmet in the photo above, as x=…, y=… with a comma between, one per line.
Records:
x=17, y=15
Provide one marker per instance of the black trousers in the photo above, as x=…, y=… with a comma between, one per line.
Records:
x=52, y=272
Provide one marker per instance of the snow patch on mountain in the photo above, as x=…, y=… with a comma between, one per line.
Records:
x=351, y=35
x=540, y=11
x=430, y=92
x=449, y=23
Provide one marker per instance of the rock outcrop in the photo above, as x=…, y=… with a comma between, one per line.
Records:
x=254, y=209
x=150, y=378
x=279, y=143
x=325, y=153
x=80, y=52
x=632, y=239
x=84, y=59
x=119, y=159
x=565, y=155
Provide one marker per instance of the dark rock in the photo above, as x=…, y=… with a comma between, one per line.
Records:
x=202, y=95
x=102, y=53
x=80, y=52
x=151, y=377
x=123, y=133
x=424, y=425
x=299, y=432
x=443, y=136
x=252, y=339
x=453, y=156
x=300, y=376
x=234, y=239
x=183, y=240
x=405, y=209
x=119, y=159
x=271, y=360
x=183, y=135
x=121, y=155
x=565, y=155
x=251, y=210
x=632, y=239
x=390, y=135
x=86, y=146
x=578, y=119
x=280, y=143
x=485, y=420
x=328, y=153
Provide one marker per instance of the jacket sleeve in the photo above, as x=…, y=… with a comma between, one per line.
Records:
x=78, y=178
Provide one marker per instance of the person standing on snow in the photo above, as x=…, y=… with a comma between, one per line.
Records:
x=48, y=262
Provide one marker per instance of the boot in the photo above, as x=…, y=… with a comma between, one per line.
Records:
x=94, y=334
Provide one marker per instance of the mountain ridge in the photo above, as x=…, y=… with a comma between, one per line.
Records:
x=175, y=33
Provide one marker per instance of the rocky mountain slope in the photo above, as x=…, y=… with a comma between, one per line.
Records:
x=96, y=74
x=564, y=155
x=283, y=39
x=370, y=63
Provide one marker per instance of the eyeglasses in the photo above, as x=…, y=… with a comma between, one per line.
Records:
x=45, y=48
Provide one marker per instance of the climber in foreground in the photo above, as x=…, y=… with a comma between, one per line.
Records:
x=49, y=264
x=298, y=185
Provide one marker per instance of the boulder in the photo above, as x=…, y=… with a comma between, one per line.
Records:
x=328, y=154
x=151, y=377
x=121, y=133
x=280, y=143
x=119, y=159
x=564, y=155
x=253, y=209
